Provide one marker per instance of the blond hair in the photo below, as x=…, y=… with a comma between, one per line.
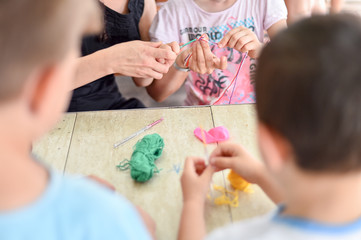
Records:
x=36, y=32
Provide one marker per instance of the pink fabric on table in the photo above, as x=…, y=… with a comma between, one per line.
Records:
x=218, y=134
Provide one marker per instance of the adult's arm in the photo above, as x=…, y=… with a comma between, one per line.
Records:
x=135, y=59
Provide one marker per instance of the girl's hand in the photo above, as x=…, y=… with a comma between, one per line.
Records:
x=202, y=59
x=234, y=156
x=242, y=39
x=195, y=180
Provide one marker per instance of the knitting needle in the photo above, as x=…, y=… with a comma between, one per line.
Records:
x=207, y=156
x=137, y=133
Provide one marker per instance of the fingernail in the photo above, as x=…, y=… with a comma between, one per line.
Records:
x=211, y=161
x=220, y=45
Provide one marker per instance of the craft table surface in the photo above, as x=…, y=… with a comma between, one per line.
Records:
x=82, y=143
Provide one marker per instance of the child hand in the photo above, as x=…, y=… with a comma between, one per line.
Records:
x=242, y=39
x=234, y=156
x=195, y=180
x=204, y=61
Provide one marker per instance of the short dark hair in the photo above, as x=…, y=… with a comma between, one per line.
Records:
x=308, y=89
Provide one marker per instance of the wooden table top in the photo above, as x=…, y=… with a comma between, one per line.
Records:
x=82, y=143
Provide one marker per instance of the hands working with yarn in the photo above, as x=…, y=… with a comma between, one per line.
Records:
x=242, y=39
x=199, y=58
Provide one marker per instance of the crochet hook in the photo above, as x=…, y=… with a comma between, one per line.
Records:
x=116, y=145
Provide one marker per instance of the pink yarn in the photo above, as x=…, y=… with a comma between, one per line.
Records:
x=218, y=134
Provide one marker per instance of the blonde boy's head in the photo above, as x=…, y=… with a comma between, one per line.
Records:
x=37, y=32
x=39, y=43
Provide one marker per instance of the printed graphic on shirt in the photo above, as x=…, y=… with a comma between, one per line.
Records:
x=206, y=88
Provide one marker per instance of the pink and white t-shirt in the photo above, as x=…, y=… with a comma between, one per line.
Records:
x=183, y=21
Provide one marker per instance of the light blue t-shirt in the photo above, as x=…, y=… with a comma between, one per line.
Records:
x=74, y=208
x=278, y=227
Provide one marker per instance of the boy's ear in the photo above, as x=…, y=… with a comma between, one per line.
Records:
x=275, y=149
x=39, y=88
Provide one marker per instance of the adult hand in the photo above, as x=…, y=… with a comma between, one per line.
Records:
x=195, y=180
x=139, y=59
x=242, y=39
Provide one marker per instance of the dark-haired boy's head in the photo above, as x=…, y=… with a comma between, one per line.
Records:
x=308, y=88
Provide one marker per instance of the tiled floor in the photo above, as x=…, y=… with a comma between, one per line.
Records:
x=128, y=89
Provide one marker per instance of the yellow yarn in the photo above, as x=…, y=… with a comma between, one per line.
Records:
x=224, y=199
x=238, y=182
x=231, y=197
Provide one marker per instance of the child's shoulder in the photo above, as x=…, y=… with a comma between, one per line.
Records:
x=74, y=208
x=249, y=229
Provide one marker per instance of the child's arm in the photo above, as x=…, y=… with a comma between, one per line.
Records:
x=276, y=28
x=336, y=6
x=234, y=156
x=195, y=182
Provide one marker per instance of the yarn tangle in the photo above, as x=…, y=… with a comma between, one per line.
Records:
x=141, y=164
x=231, y=197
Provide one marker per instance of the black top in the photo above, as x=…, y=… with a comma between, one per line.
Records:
x=103, y=94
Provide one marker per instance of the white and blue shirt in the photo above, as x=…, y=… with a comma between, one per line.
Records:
x=278, y=227
x=74, y=208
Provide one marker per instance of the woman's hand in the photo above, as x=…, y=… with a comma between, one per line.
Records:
x=242, y=39
x=139, y=59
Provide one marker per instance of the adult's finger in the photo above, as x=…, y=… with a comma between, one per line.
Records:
x=162, y=53
x=175, y=47
x=153, y=44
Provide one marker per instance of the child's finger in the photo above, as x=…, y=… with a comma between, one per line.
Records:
x=225, y=150
x=224, y=162
x=200, y=60
x=220, y=63
x=242, y=42
x=207, y=174
x=249, y=47
x=208, y=55
x=237, y=37
x=225, y=39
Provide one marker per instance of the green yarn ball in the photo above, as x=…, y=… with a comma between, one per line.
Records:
x=146, y=151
